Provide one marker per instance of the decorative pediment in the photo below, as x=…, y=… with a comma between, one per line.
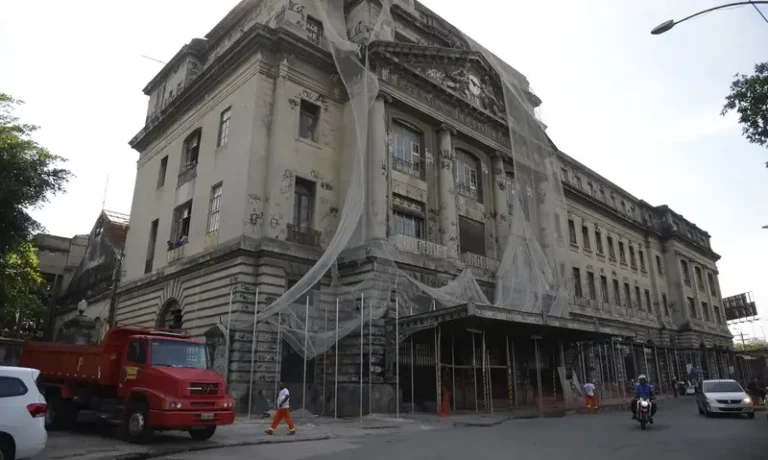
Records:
x=463, y=73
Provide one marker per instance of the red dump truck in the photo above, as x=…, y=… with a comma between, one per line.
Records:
x=141, y=380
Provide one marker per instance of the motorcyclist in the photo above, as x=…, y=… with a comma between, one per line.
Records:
x=643, y=390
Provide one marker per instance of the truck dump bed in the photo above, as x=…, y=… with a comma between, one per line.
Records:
x=62, y=362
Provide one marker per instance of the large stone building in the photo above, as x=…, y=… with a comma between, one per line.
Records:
x=211, y=220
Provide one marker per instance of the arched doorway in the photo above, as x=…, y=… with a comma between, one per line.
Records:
x=170, y=316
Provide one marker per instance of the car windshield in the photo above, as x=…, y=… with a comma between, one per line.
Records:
x=722, y=387
x=175, y=353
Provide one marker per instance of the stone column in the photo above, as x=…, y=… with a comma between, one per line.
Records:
x=279, y=175
x=377, y=172
x=449, y=225
x=681, y=283
x=500, y=203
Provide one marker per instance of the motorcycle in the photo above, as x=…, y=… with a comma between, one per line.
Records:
x=643, y=412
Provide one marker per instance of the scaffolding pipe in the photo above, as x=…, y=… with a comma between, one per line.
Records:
x=438, y=337
x=362, y=340
x=253, y=352
x=453, y=370
x=538, y=371
x=278, y=356
x=336, y=367
x=370, y=360
x=514, y=370
x=304, y=377
x=413, y=385
x=474, y=370
x=325, y=357
x=601, y=373
x=490, y=378
x=485, y=377
x=397, y=359
x=611, y=372
x=229, y=335
x=509, y=374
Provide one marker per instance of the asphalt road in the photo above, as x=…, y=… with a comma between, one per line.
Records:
x=679, y=433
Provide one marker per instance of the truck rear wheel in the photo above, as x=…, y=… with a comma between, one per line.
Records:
x=136, y=427
x=61, y=415
x=202, y=434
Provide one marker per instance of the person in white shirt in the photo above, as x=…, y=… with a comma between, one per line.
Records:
x=282, y=411
x=589, y=391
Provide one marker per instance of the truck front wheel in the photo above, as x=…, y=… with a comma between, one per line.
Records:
x=202, y=434
x=136, y=427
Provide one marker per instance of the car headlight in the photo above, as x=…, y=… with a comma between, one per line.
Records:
x=711, y=401
x=746, y=400
x=229, y=404
x=173, y=405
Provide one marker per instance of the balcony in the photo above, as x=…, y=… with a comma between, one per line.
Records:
x=304, y=236
x=188, y=172
x=407, y=167
x=467, y=191
x=414, y=245
x=175, y=254
x=478, y=261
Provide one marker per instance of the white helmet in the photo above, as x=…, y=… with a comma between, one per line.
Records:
x=642, y=377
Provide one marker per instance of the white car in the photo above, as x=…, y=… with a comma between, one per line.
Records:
x=22, y=414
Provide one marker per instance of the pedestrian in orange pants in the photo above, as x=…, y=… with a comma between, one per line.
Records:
x=591, y=399
x=282, y=411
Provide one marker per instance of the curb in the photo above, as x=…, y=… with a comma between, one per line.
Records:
x=482, y=424
x=173, y=451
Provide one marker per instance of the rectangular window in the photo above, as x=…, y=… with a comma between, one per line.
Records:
x=303, y=204
x=314, y=31
x=162, y=171
x=692, y=308
x=407, y=224
x=622, y=255
x=659, y=266
x=598, y=241
x=648, y=301
x=12, y=387
x=616, y=293
x=686, y=273
x=564, y=174
x=604, y=288
x=471, y=236
x=641, y=254
x=627, y=296
x=699, y=279
x=638, y=299
x=182, y=217
x=602, y=194
x=309, y=114
x=711, y=281
x=572, y=232
x=666, y=305
x=406, y=151
x=591, y=188
x=632, y=260
x=611, y=250
x=151, y=245
x=467, y=180
x=578, y=181
x=591, y=286
x=716, y=312
x=705, y=311
x=585, y=237
x=214, y=210
x=577, y=283
x=224, y=127
x=191, y=150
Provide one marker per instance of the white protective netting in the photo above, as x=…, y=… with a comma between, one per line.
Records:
x=530, y=277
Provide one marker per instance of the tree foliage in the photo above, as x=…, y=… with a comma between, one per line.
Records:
x=28, y=177
x=22, y=311
x=749, y=98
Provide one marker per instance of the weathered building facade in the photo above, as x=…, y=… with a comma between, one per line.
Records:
x=211, y=222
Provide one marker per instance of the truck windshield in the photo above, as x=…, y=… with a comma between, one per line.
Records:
x=175, y=353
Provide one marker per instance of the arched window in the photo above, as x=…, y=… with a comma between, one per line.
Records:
x=406, y=148
x=468, y=169
x=170, y=316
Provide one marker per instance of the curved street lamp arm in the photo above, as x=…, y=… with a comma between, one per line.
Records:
x=719, y=8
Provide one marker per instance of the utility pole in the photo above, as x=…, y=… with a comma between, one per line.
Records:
x=115, y=283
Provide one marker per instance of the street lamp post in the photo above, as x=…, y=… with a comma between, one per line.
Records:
x=667, y=25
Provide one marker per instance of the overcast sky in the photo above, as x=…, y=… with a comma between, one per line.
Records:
x=641, y=110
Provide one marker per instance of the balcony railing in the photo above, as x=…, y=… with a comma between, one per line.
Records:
x=407, y=167
x=414, y=245
x=304, y=236
x=478, y=261
x=175, y=254
x=188, y=172
x=467, y=191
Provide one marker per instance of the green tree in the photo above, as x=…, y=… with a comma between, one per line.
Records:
x=749, y=98
x=28, y=177
x=22, y=312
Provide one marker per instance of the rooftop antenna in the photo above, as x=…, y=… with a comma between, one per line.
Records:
x=104, y=200
x=153, y=59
